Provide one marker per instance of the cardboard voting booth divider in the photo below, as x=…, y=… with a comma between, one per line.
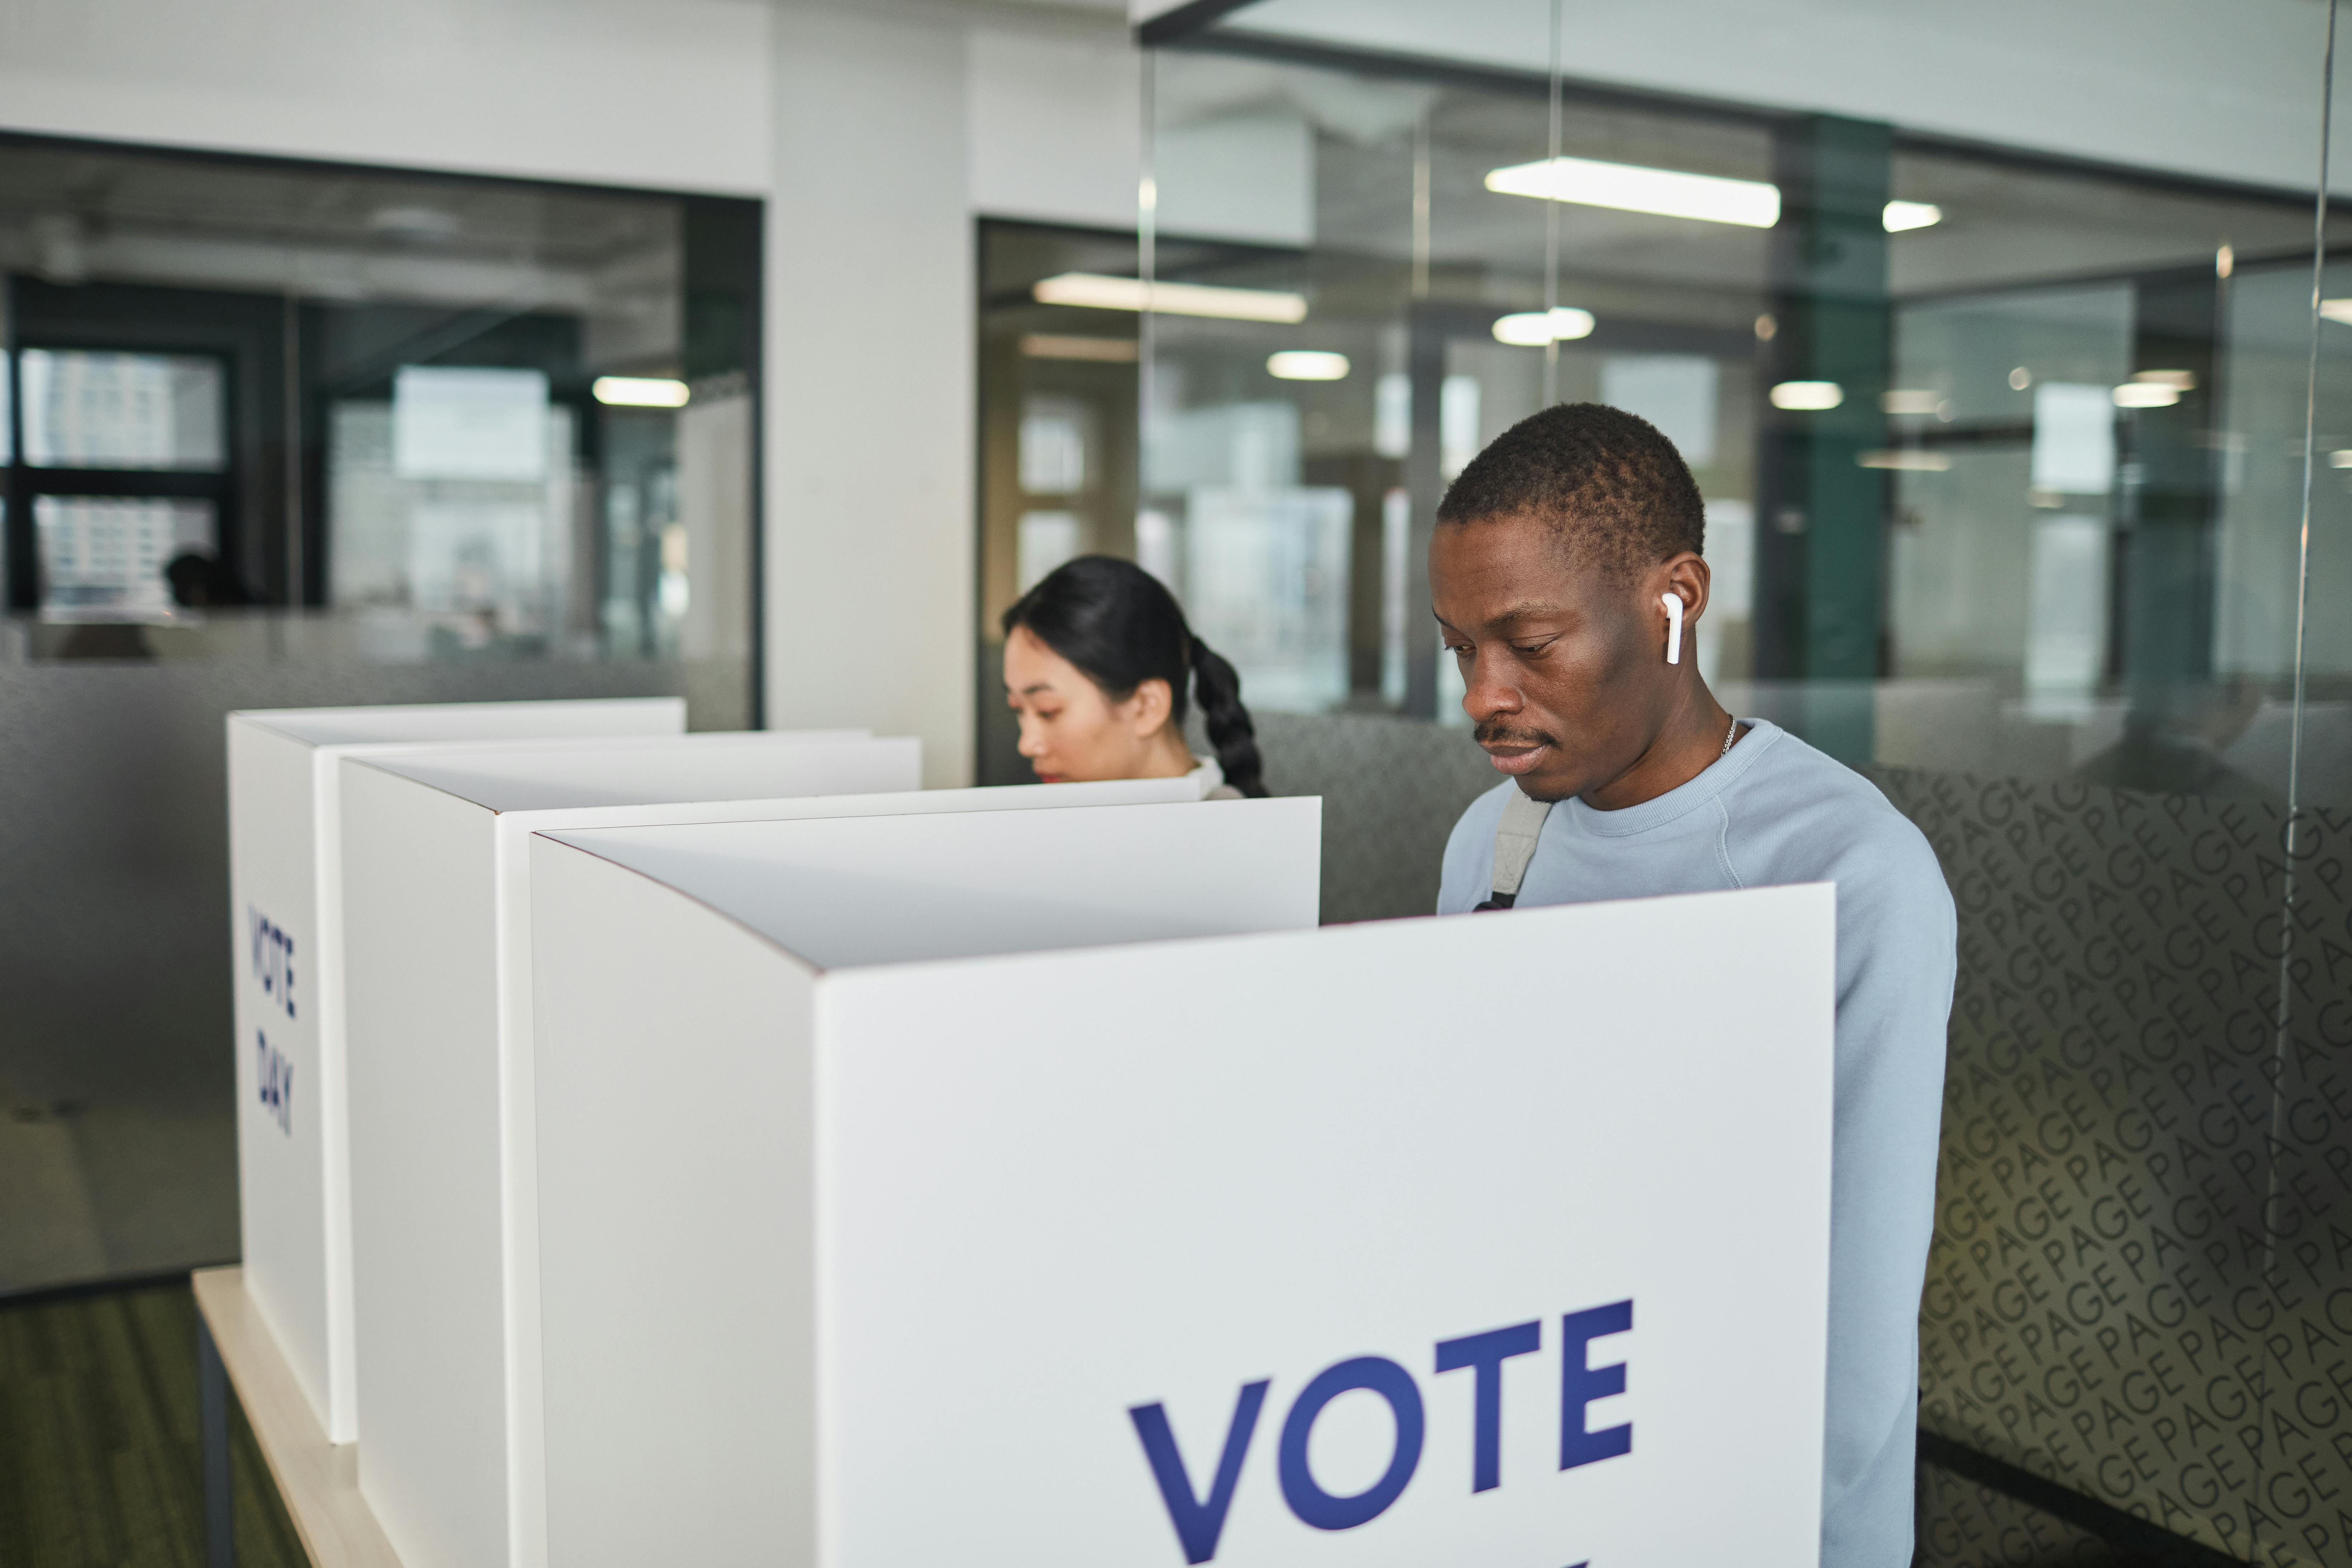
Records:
x=444, y=1156
x=938, y=1191
x=286, y=916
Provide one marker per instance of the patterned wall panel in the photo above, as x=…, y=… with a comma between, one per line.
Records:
x=2141, y=1283
x=1964, y=1525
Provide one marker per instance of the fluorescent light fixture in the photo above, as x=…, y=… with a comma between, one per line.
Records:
x=1808, y=396
x=1055, y=345
x=1909, y=402
x=1307, y=364
x=1629, y=187
x=2341, y=458
x=2337, y=311
x=1533, y=329
x=640, y=391
x=1899, y=216
x=2178, y=380
x=2146, y=395
x=1096, y=291
x=1909, y=460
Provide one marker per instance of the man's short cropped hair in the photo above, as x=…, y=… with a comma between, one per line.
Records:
x=1613, y=489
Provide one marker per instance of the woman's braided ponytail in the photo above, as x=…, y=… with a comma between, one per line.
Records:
x=1228, y=723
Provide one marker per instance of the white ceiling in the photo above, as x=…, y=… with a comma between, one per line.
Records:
x=2222, y=89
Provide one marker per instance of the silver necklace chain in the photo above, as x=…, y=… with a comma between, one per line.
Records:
x=1729, y=736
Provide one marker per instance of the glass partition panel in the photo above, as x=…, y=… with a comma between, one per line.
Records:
x=1058, y=351
x=278, y=435
x=2021, y=467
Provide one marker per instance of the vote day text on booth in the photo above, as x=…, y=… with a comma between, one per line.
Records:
x=286, y=960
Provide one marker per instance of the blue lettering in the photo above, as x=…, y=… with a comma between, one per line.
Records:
x=1487, y=1353
x=1308, y=1499
x=273, y=959
x=275, y=1076
x=1198, y=1520
x=1580, y=1384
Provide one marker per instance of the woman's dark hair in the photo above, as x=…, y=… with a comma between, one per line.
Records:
x=1121, y=626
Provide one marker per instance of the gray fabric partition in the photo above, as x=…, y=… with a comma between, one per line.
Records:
x=1392, y=789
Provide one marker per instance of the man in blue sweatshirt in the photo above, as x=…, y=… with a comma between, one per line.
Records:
x=1567, y=577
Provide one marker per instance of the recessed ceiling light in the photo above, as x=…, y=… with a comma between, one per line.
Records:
x=1055, y=345
x=1900, y=217
x=1630, y=187
x=1909, y=460
x=1307, y=364
x=2146, y=395
x=1097, y=292
x=2337, y=311
x=2178, y=380
x=1807, y=395
x=640, y=391
x=1534, y=329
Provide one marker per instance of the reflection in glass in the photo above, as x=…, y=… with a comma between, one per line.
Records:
x=86, y=410
x=454, y=525
x=104, y=557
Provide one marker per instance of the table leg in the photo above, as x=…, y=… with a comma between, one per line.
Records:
x=220, y=1518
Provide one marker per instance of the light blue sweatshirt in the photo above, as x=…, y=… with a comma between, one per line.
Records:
x=1776, y=811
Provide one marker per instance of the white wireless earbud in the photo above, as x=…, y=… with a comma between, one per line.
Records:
x=1673, y=627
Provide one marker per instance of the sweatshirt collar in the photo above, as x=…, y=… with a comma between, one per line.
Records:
x=1683, y=798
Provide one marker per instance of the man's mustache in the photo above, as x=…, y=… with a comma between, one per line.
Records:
x=1492, y=733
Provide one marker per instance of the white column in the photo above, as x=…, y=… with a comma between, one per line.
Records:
x=869, y=529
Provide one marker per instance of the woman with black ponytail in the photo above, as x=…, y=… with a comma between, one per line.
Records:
x=1098, y=664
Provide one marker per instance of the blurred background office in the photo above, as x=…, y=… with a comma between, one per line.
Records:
x=764, y=352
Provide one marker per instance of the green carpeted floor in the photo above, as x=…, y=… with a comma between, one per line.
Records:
x=100, y=1460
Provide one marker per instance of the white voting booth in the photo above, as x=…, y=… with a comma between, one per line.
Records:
x=442, y=1063
x=286, y=916
x=1038, y=1190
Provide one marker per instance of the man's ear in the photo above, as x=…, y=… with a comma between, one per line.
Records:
x=1149, y=707
x=1688, y=578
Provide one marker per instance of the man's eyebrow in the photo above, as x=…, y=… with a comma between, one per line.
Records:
x=1526, y=609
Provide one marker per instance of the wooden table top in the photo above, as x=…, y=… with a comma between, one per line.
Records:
x=319, y=1480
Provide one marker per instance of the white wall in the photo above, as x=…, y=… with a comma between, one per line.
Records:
x=1057, y=125
x=2222, y=88
x=671, y=94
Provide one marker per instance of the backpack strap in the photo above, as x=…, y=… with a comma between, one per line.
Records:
x=1514, y=846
